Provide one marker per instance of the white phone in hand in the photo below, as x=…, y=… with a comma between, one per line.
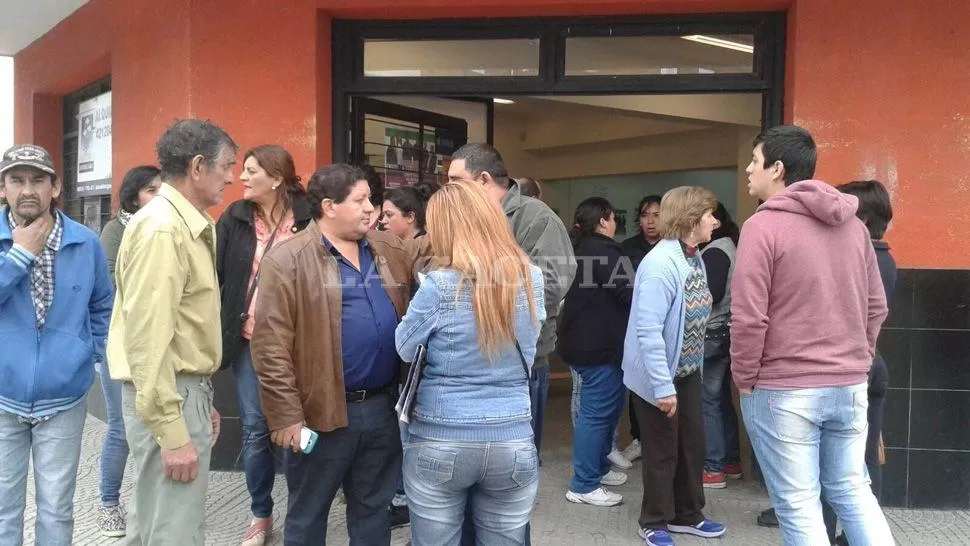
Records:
x=308, y=439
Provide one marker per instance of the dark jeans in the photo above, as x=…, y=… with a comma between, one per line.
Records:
x=720, y=419
x=364, y=458
x=600, y=404
x=673, y=458
x=259, y=454
x=539, y=392
x=878, y=387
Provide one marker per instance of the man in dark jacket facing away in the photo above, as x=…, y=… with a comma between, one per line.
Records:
x=542, y=235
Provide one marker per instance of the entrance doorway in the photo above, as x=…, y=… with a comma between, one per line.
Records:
x=619, y=108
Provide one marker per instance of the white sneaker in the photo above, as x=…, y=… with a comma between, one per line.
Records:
x=597, y=497
x=632, y=451
x=613, y=478
x=619, y=460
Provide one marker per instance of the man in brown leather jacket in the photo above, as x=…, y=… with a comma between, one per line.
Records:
x=323, y=346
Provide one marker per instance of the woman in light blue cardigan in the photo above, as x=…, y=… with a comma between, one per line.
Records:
x=662, y=359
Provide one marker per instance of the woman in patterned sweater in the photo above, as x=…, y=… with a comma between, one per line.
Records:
x=662, y=359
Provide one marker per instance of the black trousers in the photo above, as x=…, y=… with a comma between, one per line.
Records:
x=634, y=425
x=364, y=458
x=673, y=458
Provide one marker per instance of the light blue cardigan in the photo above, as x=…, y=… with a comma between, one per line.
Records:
x=655, y=333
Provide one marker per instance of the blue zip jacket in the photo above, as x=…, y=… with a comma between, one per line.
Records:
x=655, y=333
x=49, y=370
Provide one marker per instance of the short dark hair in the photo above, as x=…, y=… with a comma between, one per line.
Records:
x=727, y=227
x=481, y=157
x=794, y=147
x=588, y=215
x=376, y=184
x=646, y=201
x=135, y=180
x=332, y=182
x=412, y=200
x=875, y=206
x=530, y=187
x=187, y=138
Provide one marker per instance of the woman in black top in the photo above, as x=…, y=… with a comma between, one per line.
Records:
x=273, y=208
x=594, y=322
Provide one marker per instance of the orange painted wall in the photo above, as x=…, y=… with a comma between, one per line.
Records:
x=882, y=90
x=885, y=92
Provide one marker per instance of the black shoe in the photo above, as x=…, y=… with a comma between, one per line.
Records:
x=768, y=518
x=400, y=516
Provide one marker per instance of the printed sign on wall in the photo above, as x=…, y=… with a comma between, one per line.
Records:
x=94, y=147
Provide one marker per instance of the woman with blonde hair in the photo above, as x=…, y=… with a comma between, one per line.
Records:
x=478, y=314
x=662, y=358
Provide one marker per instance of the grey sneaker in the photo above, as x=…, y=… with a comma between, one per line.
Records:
x=111, y=521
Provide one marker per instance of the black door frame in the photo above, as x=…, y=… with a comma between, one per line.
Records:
x=348, y=37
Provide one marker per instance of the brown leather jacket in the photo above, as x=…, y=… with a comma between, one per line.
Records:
x=296, y=339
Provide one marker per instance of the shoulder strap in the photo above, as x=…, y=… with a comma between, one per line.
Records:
x=252, y=287
x=525, y=366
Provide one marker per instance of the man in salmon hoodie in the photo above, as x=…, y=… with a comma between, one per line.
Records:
x=807, y=306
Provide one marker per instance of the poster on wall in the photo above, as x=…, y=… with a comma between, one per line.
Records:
x=92, y=214
x=94, y=147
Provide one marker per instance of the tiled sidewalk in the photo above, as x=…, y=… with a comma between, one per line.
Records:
x=555, y=522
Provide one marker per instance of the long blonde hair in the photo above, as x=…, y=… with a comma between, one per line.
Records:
x=470, y=234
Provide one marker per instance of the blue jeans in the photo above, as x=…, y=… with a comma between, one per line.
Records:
x=364, y=457
x=56, y=448
x=720, y=419
x=259, y=459
x=600, y=405
x=499, y=479
x=114, y=451
x=539, y=392
x=811, y=442
x=576, y=400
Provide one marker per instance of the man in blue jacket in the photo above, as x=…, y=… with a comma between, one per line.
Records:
x=55, y=303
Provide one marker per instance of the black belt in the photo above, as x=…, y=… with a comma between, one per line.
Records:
x=354, y=397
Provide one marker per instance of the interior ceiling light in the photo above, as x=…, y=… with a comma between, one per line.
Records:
x=503, y=101
x=719, y=42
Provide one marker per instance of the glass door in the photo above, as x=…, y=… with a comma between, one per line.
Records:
x=406, y=146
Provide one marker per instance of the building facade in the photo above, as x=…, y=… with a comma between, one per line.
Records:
x=881, y=88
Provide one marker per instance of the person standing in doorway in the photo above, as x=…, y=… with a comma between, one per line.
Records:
x=544, y=238
x=723, y=459
x=323, y=349
x=165, y=341
x=807, y=305
x=875, y=211
x=273, y=209
x=55, y=302
x=139, y=186
x=663, y=354
x=594, y=320
x=636, y=248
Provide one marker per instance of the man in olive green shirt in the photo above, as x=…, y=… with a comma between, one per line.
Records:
x=165, y=339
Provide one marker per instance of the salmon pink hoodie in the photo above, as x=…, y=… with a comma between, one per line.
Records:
x=807, y=299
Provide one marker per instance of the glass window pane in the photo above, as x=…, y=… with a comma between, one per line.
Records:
x=660, y=55
x=451, y=58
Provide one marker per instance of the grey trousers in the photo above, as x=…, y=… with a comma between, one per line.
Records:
x=164, y=511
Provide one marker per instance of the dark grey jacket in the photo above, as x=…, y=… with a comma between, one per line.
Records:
x=544, y=237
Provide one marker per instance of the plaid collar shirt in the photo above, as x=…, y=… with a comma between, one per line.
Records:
x=42, y=272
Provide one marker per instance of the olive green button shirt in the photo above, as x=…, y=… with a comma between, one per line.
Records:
x=165, y=320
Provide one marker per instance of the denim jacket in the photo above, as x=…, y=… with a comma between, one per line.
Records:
x=463, y=396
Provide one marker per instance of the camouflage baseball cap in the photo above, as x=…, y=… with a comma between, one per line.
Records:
x=27, y=155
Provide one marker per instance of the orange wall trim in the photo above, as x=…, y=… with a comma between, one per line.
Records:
x=881, y=89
